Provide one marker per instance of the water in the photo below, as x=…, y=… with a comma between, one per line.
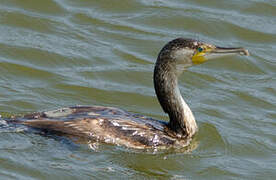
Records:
x=58, y=53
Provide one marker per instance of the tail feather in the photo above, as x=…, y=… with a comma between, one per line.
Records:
x=58, y=127
x=42, y=124
x=46, y=125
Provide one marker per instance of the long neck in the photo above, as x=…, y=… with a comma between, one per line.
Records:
x=182, y=121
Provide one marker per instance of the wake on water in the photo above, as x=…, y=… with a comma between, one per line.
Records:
x=6, y=126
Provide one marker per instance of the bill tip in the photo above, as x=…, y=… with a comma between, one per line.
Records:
x=245, y=52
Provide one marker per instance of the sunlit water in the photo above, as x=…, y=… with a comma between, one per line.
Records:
x=58, y=53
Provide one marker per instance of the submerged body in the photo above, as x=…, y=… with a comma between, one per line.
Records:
x=115, y=126
x=108, y=125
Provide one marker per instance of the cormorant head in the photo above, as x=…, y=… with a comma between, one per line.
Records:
x=188, y=52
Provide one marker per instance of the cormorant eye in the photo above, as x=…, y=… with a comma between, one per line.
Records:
x=200, y=49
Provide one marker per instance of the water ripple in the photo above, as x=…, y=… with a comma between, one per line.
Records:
x=60, y=53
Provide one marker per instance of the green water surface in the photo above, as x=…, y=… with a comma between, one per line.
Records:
x=58, y=53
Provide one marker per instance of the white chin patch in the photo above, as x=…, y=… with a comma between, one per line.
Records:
x=183, y=59
x=183, y=56
x=180, y=68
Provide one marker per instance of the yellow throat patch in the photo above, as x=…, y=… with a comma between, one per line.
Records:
x=199, y=58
